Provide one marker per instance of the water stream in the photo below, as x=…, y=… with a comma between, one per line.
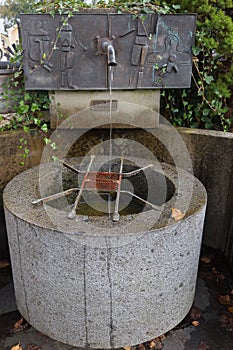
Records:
x=111, y=71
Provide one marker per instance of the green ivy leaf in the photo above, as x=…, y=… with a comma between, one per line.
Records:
x=206, y=111
x=176, y=7
x=36, y=121
x=26, y=150
x=34, y=107
x=44, y=127
x=27, y=97
x=25, y=128
x=17, y=74
x=47, y=141
x=196, y=50
x=53, y=146
x=208, y=78
x=208, y=125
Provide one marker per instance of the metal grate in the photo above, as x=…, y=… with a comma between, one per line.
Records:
x=98, y=181
x=102, y=181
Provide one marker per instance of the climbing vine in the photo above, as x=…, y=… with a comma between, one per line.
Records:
x=208, y=103
x=28, y=106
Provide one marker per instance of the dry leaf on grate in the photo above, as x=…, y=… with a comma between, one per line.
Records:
x=177, y=214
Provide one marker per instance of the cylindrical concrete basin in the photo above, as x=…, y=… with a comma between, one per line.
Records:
x=90, y=282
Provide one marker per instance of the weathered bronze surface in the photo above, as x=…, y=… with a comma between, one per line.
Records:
x=152, y=51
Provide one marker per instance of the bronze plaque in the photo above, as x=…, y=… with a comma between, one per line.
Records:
x=151, y=51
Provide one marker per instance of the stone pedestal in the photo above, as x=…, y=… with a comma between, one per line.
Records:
x=142, y=104
x=104, y=285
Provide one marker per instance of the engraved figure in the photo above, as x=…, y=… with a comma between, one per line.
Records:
x=67, y=43
x=171, y=45
x=145, y=28
x=168, y=61
x=39, y=47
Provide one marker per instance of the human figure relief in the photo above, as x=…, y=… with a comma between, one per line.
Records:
x=67, y=45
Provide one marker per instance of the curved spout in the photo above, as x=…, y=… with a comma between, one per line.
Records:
x=108, y=48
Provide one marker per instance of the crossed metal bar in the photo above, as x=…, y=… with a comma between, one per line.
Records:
x=104, y=181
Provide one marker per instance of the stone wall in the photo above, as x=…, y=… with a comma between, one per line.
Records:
x=211, y=153
x=212, y=156
x=10, y=166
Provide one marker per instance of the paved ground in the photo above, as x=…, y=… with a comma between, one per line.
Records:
x=208, y=326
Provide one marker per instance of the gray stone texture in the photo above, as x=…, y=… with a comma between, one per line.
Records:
x=143, y=105
x=210, y=151
x=212, y=156
x=131, y=287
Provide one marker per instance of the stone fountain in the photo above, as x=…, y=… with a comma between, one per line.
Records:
x=125, y=273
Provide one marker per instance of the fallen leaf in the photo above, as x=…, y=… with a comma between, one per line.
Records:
x=230, y=309
x=18, y=323
x=215, y=274
x=152, y=344
x=195, y=323
x=4, y=263
x=17, y=347
x=220, y=277
x=162, y=337
x=203, y=346
x=141, y=347
x=206, y=259
x=177, y=214
x=156, y=344
x=195, y=313
x=20, y=326
x=226, y=322
x=224, y=299
x=214, y=270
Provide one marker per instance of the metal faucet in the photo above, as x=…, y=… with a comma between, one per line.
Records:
x=105, y=46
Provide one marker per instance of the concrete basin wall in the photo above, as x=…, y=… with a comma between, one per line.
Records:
x=211, y=154
x=105, y=286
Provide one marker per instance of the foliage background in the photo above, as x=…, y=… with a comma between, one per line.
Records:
x=209, y=103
